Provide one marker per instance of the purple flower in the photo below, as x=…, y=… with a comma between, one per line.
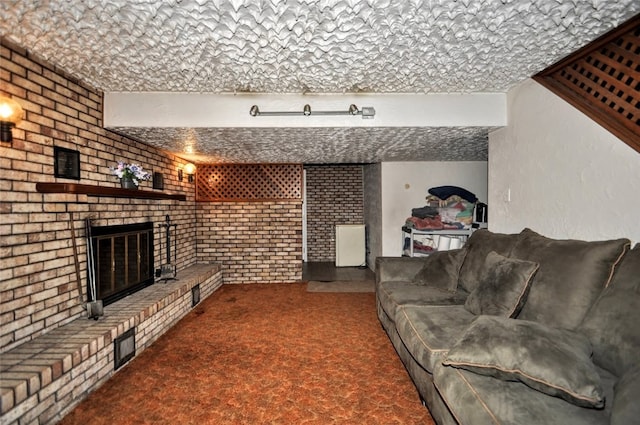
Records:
x=133, y=172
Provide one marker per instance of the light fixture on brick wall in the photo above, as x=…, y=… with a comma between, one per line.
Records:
x=11, y=113
x=367, y=112
x=189, y=169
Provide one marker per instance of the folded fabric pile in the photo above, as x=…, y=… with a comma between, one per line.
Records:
x=448, y=208
x=419, y=247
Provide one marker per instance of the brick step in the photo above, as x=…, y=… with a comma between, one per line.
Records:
x=46, y=377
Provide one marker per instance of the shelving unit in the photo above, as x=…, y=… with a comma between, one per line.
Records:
x=426, y=234
x=115, y=192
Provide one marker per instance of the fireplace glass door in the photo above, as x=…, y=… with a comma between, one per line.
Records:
x=123, y=260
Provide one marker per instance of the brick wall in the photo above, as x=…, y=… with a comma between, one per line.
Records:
x=255, y=241
x=39, y=289
x=334, y=196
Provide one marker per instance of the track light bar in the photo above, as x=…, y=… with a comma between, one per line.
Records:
x=367, y=112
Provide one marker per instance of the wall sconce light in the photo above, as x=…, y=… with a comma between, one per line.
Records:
x=11, y=113
x=189, y=169
x=367, y=112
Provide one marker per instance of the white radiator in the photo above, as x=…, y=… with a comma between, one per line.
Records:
x=350, y=245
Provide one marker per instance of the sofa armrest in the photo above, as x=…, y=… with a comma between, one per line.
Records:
x=398, y=268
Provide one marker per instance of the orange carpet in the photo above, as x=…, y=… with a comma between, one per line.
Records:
x=264, y=354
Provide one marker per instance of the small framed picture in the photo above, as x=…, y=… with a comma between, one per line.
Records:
x=66, y=163
x=158, y=180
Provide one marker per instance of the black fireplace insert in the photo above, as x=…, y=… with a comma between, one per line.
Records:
x=123, y=259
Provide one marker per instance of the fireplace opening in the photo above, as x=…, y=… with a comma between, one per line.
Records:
x=123, y=259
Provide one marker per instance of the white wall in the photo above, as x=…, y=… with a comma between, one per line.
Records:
x=554, y=170
x=405, y=186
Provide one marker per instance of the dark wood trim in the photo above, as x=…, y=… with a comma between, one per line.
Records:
x=608, y=99
x=272, y=182
x=249, y=200
x=599, y=116
x=115, y=192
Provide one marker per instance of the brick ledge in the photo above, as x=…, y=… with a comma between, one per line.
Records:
x=28, y=370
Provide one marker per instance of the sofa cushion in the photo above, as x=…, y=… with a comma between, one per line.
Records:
x=397, y=269
x=441, y=269
x=626, y=409
x=483, y=400
x=554, y=361
x=572, y=274
x=429, y=331
x=613, y=323
x=392, y=295
x=504, y=283
x=481, y=243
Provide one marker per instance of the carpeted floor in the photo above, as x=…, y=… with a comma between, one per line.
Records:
x=264, y=354
x=342, y=286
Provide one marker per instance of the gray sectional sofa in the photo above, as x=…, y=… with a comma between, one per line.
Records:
x=519, y=329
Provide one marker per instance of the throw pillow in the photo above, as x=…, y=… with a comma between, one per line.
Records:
x=554, y=361
x=571, y=276
x=440, y=270
x=504, y=283
x=481, y=243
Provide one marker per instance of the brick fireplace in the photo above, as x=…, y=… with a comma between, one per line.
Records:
x=253, y=241
x=52, y=356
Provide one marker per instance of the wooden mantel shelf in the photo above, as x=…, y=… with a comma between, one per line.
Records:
x=116, y=192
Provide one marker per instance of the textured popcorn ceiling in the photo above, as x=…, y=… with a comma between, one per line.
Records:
x=320, y=145
x=348, y=46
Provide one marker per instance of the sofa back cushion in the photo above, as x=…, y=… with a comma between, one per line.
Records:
x=613, y=323
x=626, y=409
x=572, y=274
x=441, y=269
x=479, y=245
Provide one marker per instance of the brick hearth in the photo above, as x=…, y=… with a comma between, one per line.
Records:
x=46, y=377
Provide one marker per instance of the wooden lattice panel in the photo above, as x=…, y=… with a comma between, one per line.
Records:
x=603, y=81
x=248, y=182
